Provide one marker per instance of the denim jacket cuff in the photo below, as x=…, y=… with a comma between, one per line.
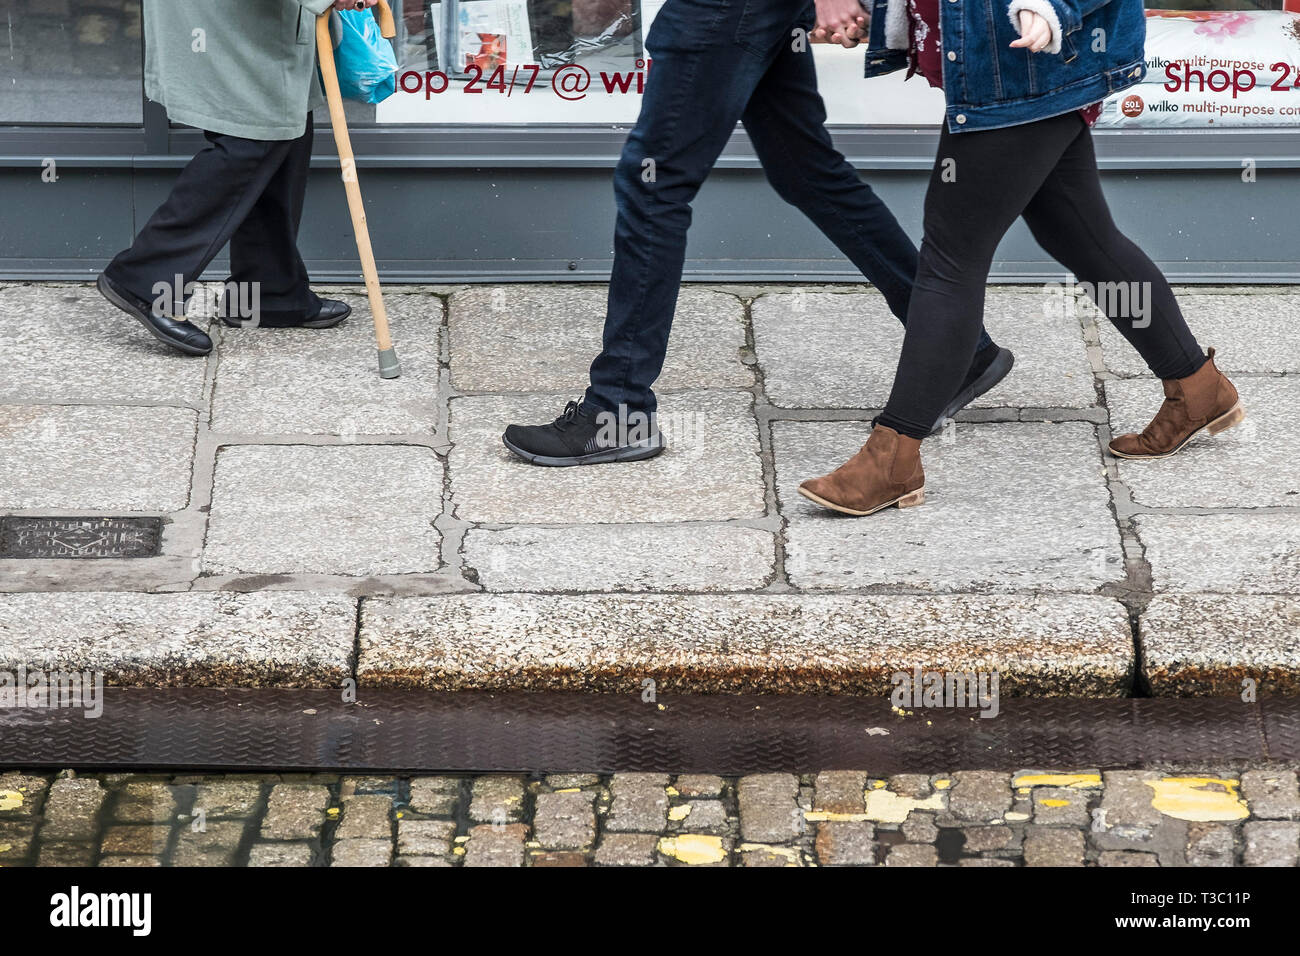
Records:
x=1047, y=11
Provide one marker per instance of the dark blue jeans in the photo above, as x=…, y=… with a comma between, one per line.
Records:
x=717, y=62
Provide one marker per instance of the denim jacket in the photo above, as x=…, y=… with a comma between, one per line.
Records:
x=1096, y=49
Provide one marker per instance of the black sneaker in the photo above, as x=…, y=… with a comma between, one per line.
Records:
x=583, y=436
x=990, y=366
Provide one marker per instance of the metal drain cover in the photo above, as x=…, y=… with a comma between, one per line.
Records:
x=36, y=538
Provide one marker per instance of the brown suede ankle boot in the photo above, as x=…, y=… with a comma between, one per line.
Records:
x=887, y=471
x=1204, y=399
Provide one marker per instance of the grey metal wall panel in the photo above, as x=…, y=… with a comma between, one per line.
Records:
x=517, y=223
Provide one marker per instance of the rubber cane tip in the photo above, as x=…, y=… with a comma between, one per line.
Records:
x=389, y=367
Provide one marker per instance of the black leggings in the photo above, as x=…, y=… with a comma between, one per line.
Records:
x=1045, y=171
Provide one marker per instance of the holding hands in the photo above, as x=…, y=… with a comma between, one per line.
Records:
x=841, y=21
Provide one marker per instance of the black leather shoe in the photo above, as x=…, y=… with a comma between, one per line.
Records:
x=178, y=333
x=331, y=313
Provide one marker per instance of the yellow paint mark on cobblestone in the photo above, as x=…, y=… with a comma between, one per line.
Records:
x=10, y=799
x=791, y=853
x=1082, y=781
x=694, y=848
x=886, y=806
x=1200, y=799
x=1055, y=803
x=672, y=791
x=878, y=784
x=458, y=851
x=680, y=812
x=826, y=816
x=332, y=812
x=943, y=784
x=570, y=790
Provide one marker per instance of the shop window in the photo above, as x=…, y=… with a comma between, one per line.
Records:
x=71, y=62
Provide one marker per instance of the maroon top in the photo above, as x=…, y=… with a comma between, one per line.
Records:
x=926, y=50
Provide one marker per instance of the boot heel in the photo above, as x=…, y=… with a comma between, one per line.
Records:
x=1225, y=421
x=912, y=499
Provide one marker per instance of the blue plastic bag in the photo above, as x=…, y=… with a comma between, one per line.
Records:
x=366, y=63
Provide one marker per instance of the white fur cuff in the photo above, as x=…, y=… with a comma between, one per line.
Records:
x=1044, y=9
x=898, y=27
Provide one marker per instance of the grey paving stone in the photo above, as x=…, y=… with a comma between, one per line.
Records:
x=435, y=795
x=840, y=791
x=1271, y=794
x=129, y=861
x=1232, y=553
x=1251, y=465
x=1127, y=858
x=640, y=803
x=768, y=811
x=1271, y=843
x=706, y=816
x=1209, y=644
x=840, y=350
x=422, y=861
x=66, y=343
x=493, y=845
x=21, y=795
x=498, y=798
x=980, y=839
x=220, y=638
x=280, y=854
x=920, y=828
x=361, y=852
x=984, y=861
x=565, y=820
x=365, y=816
x=295, y=812
x=1126, y=803
x=134, y=838
x=71, y=808
x=1053, y=846
x=846, y=843
x=227, y=798
x=622, y=558
x=325, y=381
x=557, y=858
x=532, y=338
x=425, y=837
x=215, y=845
x=627, y=849
x=710, y=472
x=1081, y=644
x=1252, y=332
x=356, y=509
x=564, y=781
x=1010, y=507
x=699, y=785
x=912, y=854
x=96, y=458
x=1061, y=806
x=1210, y=844
x=144, y=803
x=65, y=854
x=980, y=796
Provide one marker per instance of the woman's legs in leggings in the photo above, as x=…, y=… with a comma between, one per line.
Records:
x=1047, y=171
x=1071, y=221
x=981, y=182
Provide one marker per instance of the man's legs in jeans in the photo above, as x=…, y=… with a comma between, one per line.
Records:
x=698, y=87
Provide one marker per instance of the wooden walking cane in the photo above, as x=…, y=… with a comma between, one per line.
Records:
x=389, y=367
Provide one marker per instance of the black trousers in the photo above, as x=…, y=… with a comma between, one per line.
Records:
x=1045, y=171
x=243, y=191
